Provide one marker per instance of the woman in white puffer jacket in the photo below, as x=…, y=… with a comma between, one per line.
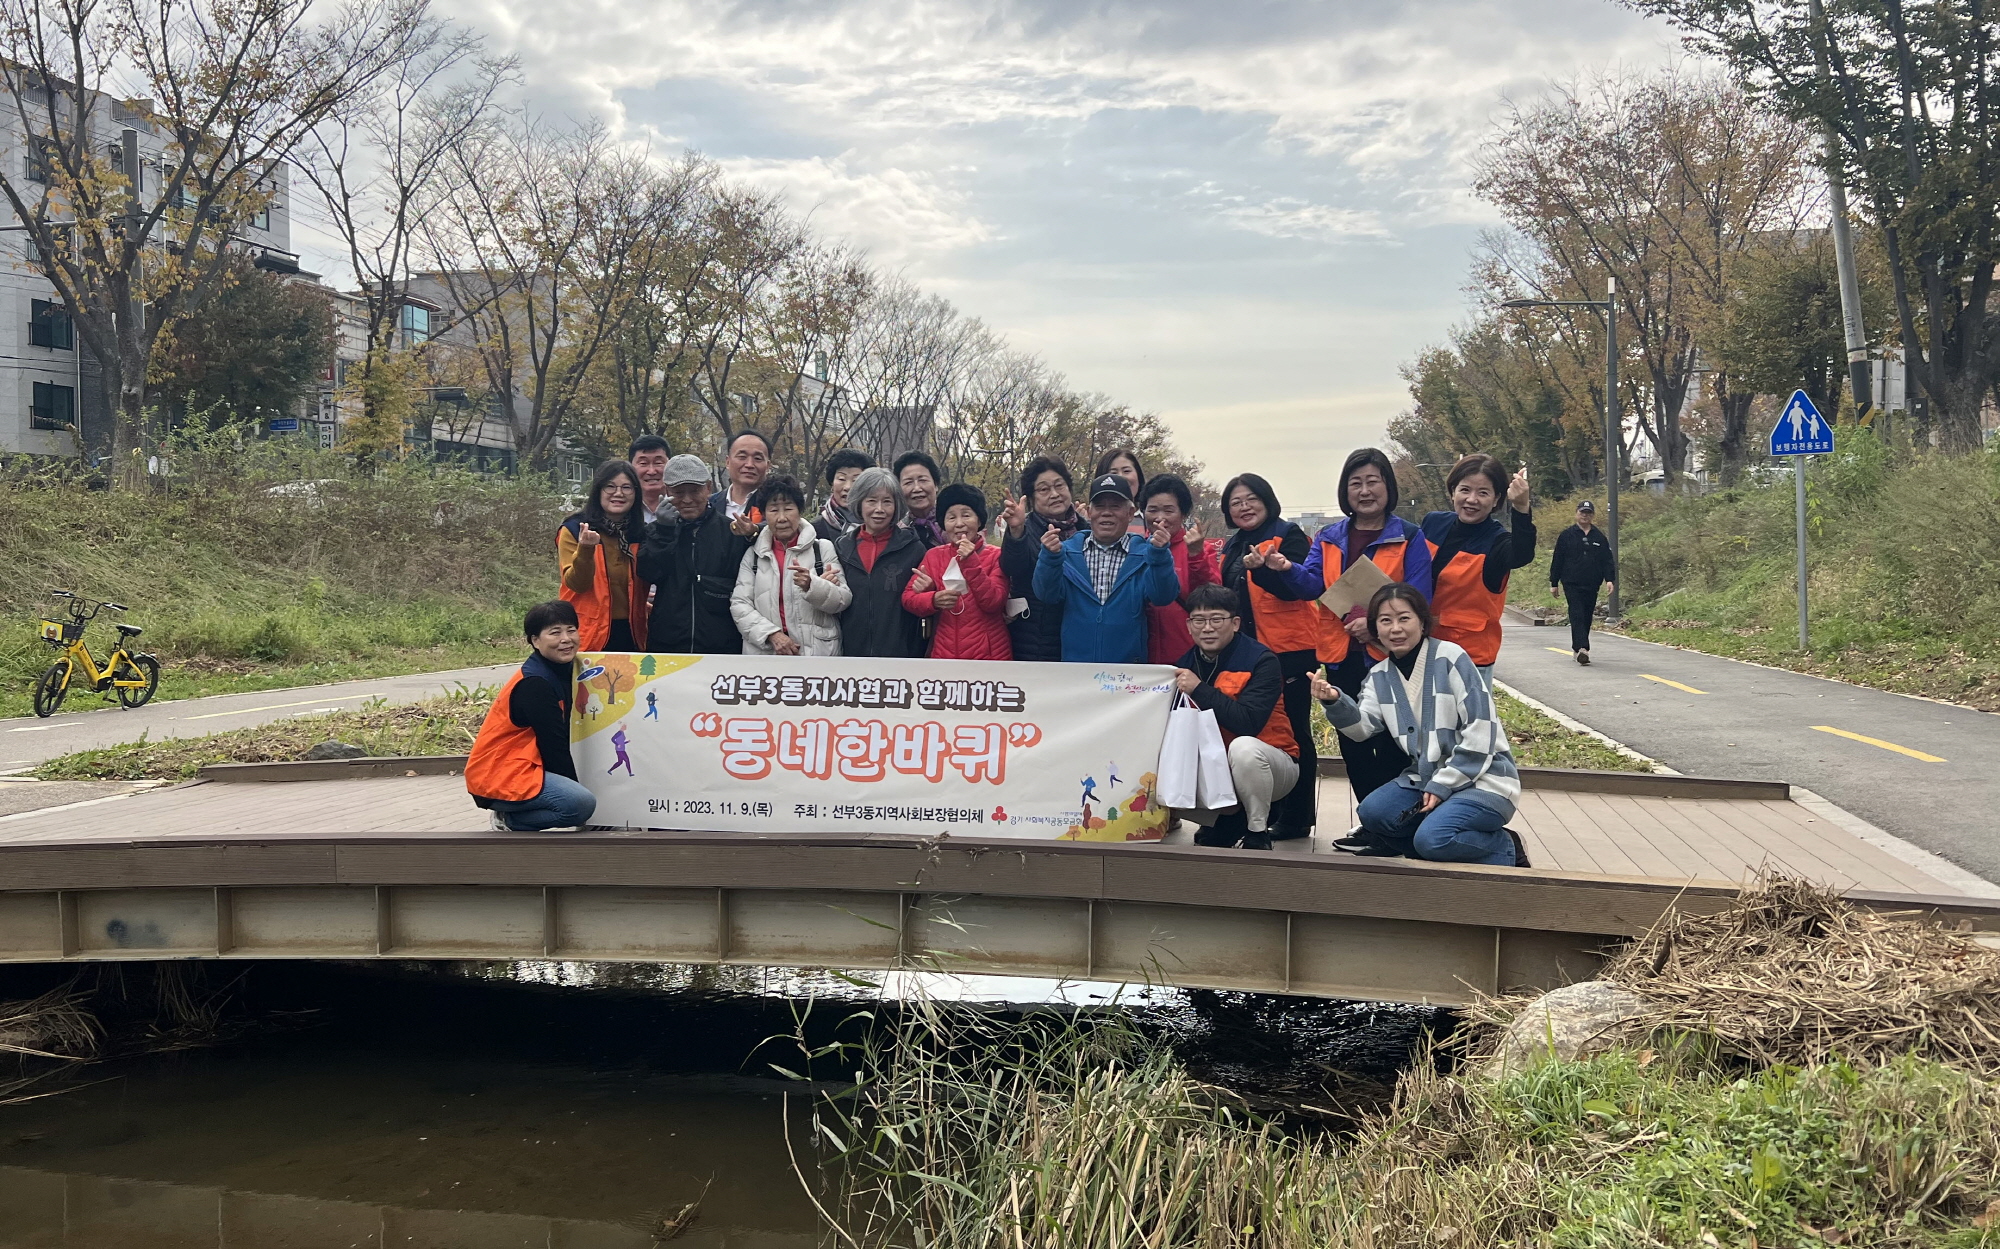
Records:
x=789, y=589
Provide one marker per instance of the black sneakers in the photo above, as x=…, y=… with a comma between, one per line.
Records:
x=1520, y=848
x=1583, y=658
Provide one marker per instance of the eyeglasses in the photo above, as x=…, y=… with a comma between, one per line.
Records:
x=1209, y=621
x=1050, y=492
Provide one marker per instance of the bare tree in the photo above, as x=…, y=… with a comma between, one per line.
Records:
x=536, y=234
x=153, y=130
x=1664, y=184
x=372, y=165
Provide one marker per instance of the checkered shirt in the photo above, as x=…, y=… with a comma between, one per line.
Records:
x=1104, y=563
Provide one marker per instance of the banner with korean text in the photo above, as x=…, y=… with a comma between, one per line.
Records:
x=751, y=743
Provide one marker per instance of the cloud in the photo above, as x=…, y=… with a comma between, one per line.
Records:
x=896, y=215
x=1242, y=215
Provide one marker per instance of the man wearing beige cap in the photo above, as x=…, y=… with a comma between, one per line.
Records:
x=691, y=555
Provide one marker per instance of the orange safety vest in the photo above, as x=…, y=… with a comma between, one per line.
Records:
x=1283, y=626
x=1277, y=730
x=1333, y=639
x=506, y=762
x=1465, y=610
x=593, y=610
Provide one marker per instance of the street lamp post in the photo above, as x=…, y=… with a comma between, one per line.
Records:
x=1613, y=442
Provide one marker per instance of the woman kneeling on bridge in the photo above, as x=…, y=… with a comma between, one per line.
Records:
x=520, y=769
x=1453, y=802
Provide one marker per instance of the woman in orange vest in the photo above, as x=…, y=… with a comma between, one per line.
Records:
x=1472, y=554
x=520, y=769
x=1288, y=629
x=1370, y=529
x=595, y=550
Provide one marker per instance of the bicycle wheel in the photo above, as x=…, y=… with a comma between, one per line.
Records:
x=134, y=668
x=51, y=689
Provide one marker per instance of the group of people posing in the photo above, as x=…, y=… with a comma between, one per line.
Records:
x=897, y=563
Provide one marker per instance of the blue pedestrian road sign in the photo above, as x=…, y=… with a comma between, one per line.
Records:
x=285, y=425
x=1801, y=430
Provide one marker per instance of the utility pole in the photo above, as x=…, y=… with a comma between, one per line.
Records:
x=1614, y=440
x=1843, y=240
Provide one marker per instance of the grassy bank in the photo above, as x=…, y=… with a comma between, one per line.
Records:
x=436, y=726
x=260, y=569
x=1538, y=741
x=1905, y=572
x=963, y=1130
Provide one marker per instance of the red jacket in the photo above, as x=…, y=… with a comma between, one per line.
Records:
x=976, y=626
x=1167, y=637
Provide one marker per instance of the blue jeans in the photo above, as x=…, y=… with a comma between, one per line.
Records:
x=562, y=804
x=1461, y=829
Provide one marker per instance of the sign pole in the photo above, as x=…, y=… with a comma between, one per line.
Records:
x=1799, y=489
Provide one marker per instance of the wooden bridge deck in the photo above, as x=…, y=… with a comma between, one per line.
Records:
x=1654, y=836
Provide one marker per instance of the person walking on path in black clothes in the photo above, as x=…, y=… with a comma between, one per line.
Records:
x=691, y=555
x=1288, y=629
x=1583, y=562
x=1046, y=501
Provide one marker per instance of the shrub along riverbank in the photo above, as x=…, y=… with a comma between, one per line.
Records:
x=1809, y=1076
x=265, y=568
x=1905, y=571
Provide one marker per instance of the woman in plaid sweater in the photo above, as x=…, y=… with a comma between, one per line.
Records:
x=1453, y=802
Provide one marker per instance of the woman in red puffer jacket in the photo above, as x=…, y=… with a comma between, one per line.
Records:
x=971, y=624
x=1166, y=500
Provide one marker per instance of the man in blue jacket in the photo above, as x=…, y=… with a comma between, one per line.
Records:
x=1105, y=578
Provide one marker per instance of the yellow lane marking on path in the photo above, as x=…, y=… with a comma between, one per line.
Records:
x=244, y=711
x=1876, y=741
x=1558, y=650
x=1686, y=689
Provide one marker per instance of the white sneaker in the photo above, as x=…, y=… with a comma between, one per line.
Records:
x=500, y=824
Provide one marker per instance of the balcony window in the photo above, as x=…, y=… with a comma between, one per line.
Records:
x=416, y=325
x=49, y=326
x=54, y=407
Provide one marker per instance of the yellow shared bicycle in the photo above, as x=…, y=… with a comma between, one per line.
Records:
x=133, y=675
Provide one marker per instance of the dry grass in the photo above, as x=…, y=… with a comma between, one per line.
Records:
x=1793, y=975
x=1816, y=1076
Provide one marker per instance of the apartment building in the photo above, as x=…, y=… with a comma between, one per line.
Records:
x=51, y=386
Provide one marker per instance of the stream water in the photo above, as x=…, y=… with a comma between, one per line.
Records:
x=556, y=1106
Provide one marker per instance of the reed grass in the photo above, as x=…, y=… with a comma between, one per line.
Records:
x=1734, y=1123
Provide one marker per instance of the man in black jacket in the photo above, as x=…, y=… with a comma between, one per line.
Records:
x=691, y=556
x=1581, y=563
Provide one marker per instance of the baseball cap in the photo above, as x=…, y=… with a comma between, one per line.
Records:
x=1111, y=483
x=687, y=470
x=1586, y=506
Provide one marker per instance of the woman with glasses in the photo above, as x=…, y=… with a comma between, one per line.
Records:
x=1453, y=801
x=594, y=559
x=1046, y=502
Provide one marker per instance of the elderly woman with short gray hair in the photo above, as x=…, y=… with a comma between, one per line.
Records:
x=879, y=558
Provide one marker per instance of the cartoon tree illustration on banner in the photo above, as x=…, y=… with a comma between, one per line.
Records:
x=620, y=673
x=648, y=666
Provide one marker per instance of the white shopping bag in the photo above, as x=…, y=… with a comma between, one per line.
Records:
x=1180, y=756
x=1214, y=787
x=954, y=577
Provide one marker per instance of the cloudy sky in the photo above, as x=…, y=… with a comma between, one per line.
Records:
x=1244, y=214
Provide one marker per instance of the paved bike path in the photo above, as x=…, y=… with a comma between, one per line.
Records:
x=1865, y=750
x=27, y=741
